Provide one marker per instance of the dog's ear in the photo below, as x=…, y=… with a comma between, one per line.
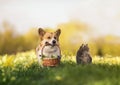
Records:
x=58, y=32
x=41, y=32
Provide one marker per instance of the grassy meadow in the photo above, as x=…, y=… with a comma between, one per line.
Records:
x=23, y=69
x=19, y=65
x=94, y=23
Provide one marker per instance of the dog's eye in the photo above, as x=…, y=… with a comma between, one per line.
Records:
x=54, y=37
x=49, y=37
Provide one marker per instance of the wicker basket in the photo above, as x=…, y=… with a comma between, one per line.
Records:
x=51, y=62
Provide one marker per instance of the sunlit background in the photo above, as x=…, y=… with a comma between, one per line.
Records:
x=24, y=14
x=96, y=22
x=92, y=22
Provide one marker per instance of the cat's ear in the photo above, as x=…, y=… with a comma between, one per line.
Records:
x=81, y=46
x=86, y=47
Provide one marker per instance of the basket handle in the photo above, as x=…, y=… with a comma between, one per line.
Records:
x=59, y=57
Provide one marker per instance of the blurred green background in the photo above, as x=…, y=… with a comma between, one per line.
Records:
x=73, y=34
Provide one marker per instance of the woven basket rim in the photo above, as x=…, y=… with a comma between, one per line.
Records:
x=50, y=58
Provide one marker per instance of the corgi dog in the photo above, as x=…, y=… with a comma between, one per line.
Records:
x=49, y=45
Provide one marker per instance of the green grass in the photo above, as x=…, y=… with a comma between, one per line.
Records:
x=23, y=69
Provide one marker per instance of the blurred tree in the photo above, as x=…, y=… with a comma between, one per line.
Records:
x=72, y=35
x=12, y=42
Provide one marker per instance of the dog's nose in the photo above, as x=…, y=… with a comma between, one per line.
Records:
x=54, y=42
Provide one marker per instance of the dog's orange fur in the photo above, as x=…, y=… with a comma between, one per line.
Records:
x=47, y=36
x=51, y=41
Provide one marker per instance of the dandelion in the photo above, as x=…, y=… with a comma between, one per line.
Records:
x=4, y=79
x=8, y=61
x=13, y=78
x=58, y=78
